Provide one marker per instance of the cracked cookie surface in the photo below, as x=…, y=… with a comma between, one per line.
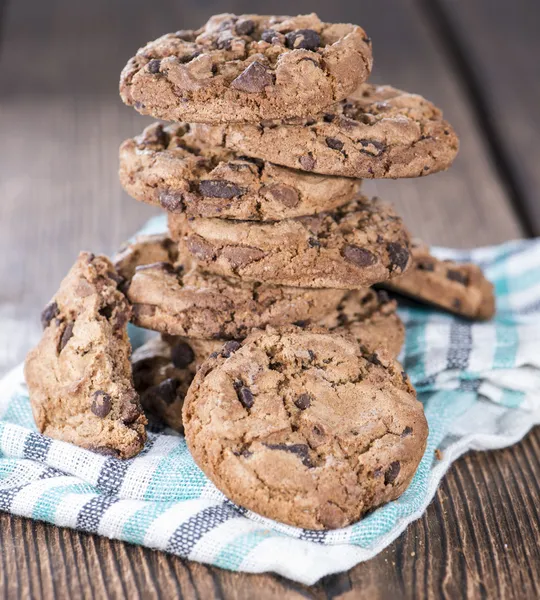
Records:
x=304, y=428
x=79, y=375
x=171, y=168
x=246, y=68
x=460, y=288
x=376, y=132
x=354, y=246
x=171, y=299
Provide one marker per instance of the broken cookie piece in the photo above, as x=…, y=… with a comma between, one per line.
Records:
x=79, y=375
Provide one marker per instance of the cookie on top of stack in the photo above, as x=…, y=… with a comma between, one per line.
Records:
x=275, y=355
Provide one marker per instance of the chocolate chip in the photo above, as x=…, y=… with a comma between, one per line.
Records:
x=101, y=404
x=359, y=256
x=172, y=201
x=455, y=275
x=182, y=355
x=244, y=394
x=313, y=242
x=49, y=313
x=392, y=472
x=220, y=188
x=311, y=355
x=200, y=248
x=308, y=162
x=334, y=143
x=373, y=358
x=284, y=194
x=406, y=432
x=229, y=348
x=187, y=35
x=425, y=265
x=244, y=453
x=328, y=118
x=131, y=408
x=301, y=323
x=66, y=336
x=301, y=450
x=254, y=79
x=271, y=36
x=245, y=27
x=303, y=401
x=153, y=66
x=399, y=256
x=167, y=390
x=372, y=147
x=303, y=38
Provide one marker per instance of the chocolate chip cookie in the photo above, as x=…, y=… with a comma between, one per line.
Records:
x=246, y=68
x=79, y=375
x=460, y=288
x=378, y=132
x=355, y=246
x=169, y=298
x=370, y=317
x=171, y=168
x=304, y=427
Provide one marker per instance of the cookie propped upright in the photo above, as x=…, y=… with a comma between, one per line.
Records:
x=79, y=375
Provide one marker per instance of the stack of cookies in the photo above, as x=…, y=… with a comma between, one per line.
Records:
x=276, y=354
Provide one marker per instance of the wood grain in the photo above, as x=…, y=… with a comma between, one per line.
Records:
x=61, y=123
x=497, y=43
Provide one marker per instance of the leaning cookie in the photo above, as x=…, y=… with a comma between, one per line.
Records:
x=355, y=246
x=376, y=132
x=460, y=288
x=370, y=317
x=171, y=299
x=304, y=427
x=171, y=168
x=246, y=68
x=79, y=375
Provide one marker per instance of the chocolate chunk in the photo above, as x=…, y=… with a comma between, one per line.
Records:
x=153, y=66
x=271, y=36
x=308, y=162
x=244, y=453
x=254, y=79
x=455, y=275
x=372, y=147
x=131, y=408
x=229, y=348
x=311, y=355
x=101, y=404
x=392, y=472
x=66, y=336
x=244, y=394
x=172, y=201
x=182, y=355
x=200, y=248
x=399, y=256
x=406, y=432
x=301, y=450
x=303, y=38
x=359, y=256
x=167, y=390
x=240, y=256
x=220, y=188
x=328, y=118
x=49, y=313
x=313, y=242
x=425, y=265
x=303, y=401
x=285, y=194
x=334, y=143
x=373, y=358
x=245, y=27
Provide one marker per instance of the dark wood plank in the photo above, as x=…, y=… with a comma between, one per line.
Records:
x=62, y=122
x=497, y=43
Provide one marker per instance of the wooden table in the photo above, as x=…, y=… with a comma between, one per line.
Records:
x=61, y=122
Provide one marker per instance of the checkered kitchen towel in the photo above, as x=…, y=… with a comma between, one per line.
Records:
x=480, y=385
